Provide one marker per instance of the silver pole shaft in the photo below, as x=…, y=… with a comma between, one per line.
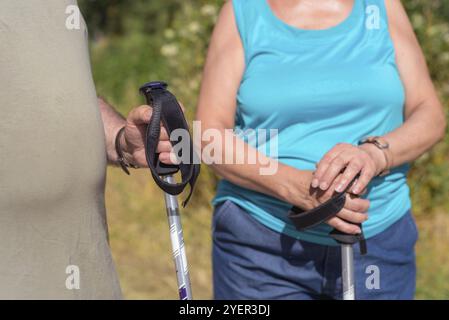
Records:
x=347, y=266
x=177, y=242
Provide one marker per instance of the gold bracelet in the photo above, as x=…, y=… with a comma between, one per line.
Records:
x=384, y=146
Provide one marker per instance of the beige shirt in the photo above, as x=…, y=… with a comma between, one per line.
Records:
x=52, y=159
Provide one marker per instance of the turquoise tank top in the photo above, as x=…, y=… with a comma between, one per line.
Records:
x=319, y=88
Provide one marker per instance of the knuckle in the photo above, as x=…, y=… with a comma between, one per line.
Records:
x=359, y=218
x=365, y=206
x=338, y=161
x=355, y=206
x=369, y=173
x=318, y=175
x=339, y=224
x=367, y=168
x=333, y=222
x=326, y=159
x=352, y=204
x=368, y=158
x=138, y=110
x=360, y=206
x=356, y=163
x=353, y=167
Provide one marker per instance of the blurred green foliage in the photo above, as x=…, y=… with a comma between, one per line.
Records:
x=135, y=41
x=429, y=176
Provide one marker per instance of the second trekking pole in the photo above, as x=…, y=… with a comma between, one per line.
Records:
x=347, y=271
x=303, y=220
x=347, y=242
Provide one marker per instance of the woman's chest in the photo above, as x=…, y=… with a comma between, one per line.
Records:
x=290, y=91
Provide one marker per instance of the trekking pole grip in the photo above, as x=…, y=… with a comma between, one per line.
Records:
x=148, y=90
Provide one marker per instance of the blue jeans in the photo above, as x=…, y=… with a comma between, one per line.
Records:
x=251, y=261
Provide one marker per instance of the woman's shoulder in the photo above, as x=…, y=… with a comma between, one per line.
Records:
x=399, y=24
x=397, y=16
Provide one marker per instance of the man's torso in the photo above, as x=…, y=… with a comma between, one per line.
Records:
x=52, y=156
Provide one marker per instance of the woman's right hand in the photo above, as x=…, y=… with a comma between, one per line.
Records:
x=353, y=213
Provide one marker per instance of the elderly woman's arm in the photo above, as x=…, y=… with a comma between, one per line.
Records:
x=424, y=125
x=216, y=110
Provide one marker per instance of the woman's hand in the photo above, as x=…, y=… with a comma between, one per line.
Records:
x=366, y=159
x=354, y=211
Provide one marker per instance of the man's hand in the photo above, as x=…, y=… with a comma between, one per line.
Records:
x=133, y=141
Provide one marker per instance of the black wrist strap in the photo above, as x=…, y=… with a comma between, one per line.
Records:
x=307, y=219
x=167, y=110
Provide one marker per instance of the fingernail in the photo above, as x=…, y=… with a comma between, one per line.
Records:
x=323, y=186
x=339, y=188
x=355, y=190
x=357, y=230
x=315, y=183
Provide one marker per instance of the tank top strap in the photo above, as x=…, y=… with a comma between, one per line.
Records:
x=260, y=28
x=375, y=14
x=247, y=13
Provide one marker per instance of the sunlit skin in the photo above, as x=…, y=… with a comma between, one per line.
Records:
x=424, y=122
x=133, y=140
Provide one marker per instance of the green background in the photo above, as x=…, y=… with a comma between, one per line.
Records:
x=135, y=41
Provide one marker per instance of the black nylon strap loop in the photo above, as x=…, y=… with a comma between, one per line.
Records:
x=167, y=110
x=307, y=219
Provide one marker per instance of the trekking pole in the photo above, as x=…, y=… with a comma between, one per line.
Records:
x=167, y=110
x=307, y=219
x=347, y=271
x=177, y=243
x=347, y=259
